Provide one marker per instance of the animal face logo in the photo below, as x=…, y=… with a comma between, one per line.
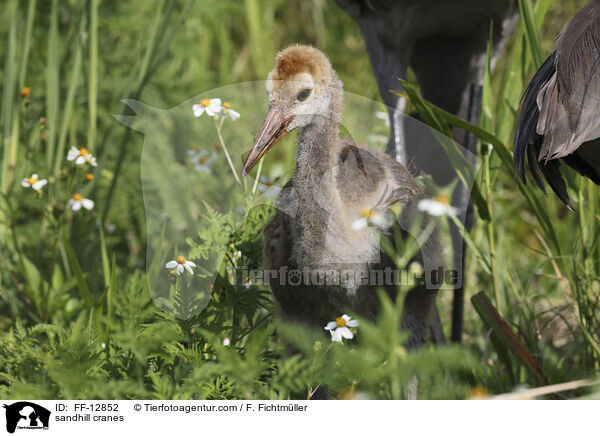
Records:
x=194, y=197
x=26, y=415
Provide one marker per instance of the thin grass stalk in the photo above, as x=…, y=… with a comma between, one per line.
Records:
x=258, y=173
x=486, y=121
x=513, y=79
x=52, y=83
x=255, y=35
x=218, y=126
x=13, y=149
x=531, y=33
x=93, y=75
x=110, y=293
x=490, y=232
x=151, y=44
x=8, y=91
x=26, y=43
x=68, y=110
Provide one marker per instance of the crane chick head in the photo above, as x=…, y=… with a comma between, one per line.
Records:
x=303, y=89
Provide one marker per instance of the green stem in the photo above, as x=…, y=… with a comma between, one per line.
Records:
x=255, y=187
x=218, y=127
x=93, y=79
x=491, y=231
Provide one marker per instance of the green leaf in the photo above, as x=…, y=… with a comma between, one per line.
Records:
x=84, y=292
x=104, y=255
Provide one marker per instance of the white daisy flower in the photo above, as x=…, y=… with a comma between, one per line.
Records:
x=211, y=106
x=367, y=216
x=81, y=156
x=228, y=112
x=201, y=159
x=77, y=201
x=267, y=187
x=340, y=328
x=180, y=264
x=34, y=182
x=247, y=283
x=437, y=206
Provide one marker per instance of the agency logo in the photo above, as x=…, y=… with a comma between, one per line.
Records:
x=26, y=415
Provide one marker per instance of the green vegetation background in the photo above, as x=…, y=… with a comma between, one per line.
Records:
x=76, y=318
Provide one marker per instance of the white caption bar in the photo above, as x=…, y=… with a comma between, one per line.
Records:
x=23, y=417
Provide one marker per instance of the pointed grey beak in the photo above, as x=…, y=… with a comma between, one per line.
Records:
x=273, y=129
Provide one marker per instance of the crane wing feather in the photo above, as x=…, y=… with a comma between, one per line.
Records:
x=569, y=102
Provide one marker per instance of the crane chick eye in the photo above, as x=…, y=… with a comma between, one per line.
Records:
x=303, y=95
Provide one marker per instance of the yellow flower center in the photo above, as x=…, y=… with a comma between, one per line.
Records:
x=202, y=160
x=180, y=260
x=365, y=212
x=32, y=180
x=441, y=198
x=268, y=183
x=227, y=105
x=25, y=92
x=479, y=392
x=205, y=102
x=89, y=177
x=194, y=148
x=77, y=197
x=83, y=151
x=340, y=322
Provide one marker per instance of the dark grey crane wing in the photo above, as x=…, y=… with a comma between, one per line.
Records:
x=570, y=101
x=559, y=116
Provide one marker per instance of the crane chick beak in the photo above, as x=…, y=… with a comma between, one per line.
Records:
x=273, y=129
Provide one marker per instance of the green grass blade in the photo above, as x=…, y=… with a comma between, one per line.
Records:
x=26, y=43
x=82, y=286
x=486, y=121
x=68, y=110
x=8, y=92
x=52, y=83
x=531, y=33
x=256, y=36
x=93, y=75
x=513, y=79
x=473, y=245
x=104, y=256
x=112, y=289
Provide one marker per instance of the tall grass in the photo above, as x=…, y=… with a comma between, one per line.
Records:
x=72, y=282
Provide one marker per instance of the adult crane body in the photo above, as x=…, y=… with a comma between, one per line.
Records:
x=444, y=42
